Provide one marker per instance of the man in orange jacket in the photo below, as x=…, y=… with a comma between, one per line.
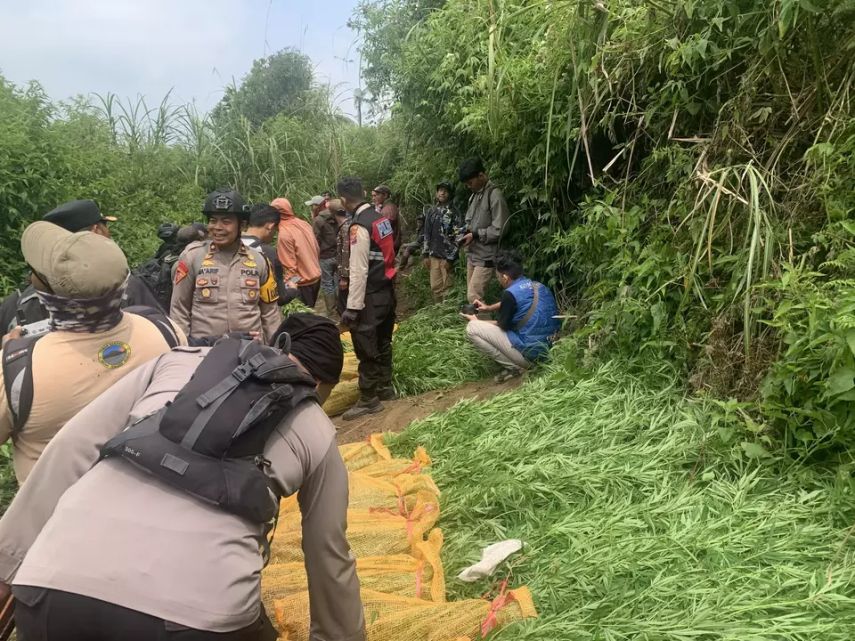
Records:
x=298, y=252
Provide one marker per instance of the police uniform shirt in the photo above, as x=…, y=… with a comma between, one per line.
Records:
x=114, y=533
x=217, y=292
x=69, y=370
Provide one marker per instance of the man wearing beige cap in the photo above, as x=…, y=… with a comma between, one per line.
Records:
x=24, y=307
x=80, y=278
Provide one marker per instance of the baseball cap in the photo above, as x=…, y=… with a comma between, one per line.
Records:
x=77, y=214
x=382, y=189
x=75, y=264
x=316, y=200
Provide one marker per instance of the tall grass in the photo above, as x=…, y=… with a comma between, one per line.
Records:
x=636, y=525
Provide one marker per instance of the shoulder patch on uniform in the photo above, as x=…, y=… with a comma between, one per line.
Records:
x=384, y=227
x=115, y=354
x=354, y=232
x=181, y=271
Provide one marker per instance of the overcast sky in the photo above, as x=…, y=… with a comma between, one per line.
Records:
x=147, y=47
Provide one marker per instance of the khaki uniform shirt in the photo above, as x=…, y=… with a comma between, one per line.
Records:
x=215, y=293
x=114, y=533
x=69, y=370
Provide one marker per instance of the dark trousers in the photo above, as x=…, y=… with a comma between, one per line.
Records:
x=52, y=615
x=372, y=342
x=309, y=293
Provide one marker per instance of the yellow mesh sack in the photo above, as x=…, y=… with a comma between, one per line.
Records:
x=346, y=392
x=398, y=493
x=389, y=617
x=419, y=576
x=391, y=467
x=366, y=492
x=371, y=532
x=359, y=455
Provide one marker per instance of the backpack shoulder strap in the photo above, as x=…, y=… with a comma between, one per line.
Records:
x=18, y=379
x=160, y=320
x=531, y=310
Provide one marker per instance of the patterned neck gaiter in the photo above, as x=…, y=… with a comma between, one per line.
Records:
x=84, y=315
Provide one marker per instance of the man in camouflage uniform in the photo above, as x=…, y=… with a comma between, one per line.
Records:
x=220, y=284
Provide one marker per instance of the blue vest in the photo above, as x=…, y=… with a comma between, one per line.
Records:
x=532, y=339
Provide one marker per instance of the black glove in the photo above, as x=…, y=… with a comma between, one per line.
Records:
x=349, y=316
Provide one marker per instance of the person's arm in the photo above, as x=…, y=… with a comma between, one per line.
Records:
x=507, y=309
x=268, y=299
x=5, y=412
x=360, y=245
x=183, y=284
x=286, y=249
x=330, y=567
x=499, y=215
x=305, y=457
x=69, y=455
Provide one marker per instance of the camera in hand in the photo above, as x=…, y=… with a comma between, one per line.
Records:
x=469, y=308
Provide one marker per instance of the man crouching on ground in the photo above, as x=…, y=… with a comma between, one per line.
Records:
x=104, y=551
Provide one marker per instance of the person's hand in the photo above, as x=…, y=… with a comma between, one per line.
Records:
x=349, y=317
x=469, y=317
x=12, y=335
x=479, y=305
x=342, y=284
x=426, y=262
x=467, y=239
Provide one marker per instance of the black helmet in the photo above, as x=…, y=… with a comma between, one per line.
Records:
x=447, y=186
x=166, y=231
x=225, y=201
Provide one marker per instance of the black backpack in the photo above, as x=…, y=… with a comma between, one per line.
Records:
x=17, y=365
x=209, y=441
x=156, y=273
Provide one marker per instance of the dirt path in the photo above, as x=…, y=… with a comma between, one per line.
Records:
x=400, y=413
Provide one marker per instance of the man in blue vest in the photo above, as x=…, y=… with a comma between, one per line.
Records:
x=525, y=325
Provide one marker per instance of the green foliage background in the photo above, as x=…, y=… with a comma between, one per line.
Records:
x=679, y=171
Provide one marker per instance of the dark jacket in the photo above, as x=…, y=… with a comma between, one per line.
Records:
x=441, y=226
x=325, y=229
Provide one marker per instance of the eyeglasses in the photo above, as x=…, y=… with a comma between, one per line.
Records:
x=343, y=212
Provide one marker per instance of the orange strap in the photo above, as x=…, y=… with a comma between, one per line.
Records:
x=489, y=624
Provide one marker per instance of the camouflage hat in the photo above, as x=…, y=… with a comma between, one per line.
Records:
x=75, y=265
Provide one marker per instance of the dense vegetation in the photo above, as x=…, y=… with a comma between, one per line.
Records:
x=273, y=135
x=680, y=171
x=638, y=523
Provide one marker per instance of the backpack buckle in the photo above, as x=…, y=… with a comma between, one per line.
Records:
x=242, y=372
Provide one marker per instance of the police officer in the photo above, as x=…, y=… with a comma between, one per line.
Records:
x=47, y=379
x=370, y=312
x=23, y=307
x=220, y=284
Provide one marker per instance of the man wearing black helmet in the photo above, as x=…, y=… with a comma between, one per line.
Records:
x=442, y=224
x=220, y=284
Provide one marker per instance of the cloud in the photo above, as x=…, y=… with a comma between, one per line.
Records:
x=148, y=47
